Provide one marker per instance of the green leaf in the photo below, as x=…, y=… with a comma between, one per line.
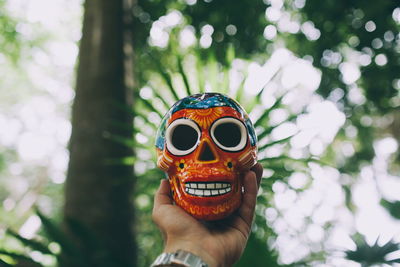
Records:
x=280, y=141
x=83, y=233
x=121, y=161
x=148, y=83
x=240, y=91
x=33, y=244
x=393, y=261
x=129, y=142
x=287, y=158
x=164, y=75
x=268, y=130
x=144, y=146
x=213, y=72
x=257, y=254
x=257, y=98
x=167, y=105
x=146, y=119
x=150, y=106
x=348, y=198
x=200, y=72
x=369, y=255
x=224, y=87
x=168, y=80
x=183, y=75
x=57, y=235
x=4, y=264
x=392, y=207
x=230, y=54
x=266, y=113
x=126, y=127
x=17, y=256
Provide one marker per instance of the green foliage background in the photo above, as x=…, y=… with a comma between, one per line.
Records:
x=164, y=74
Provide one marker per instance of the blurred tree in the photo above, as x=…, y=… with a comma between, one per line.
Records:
x=99, y=186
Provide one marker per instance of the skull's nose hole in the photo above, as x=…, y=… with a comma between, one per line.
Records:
x=206, y=153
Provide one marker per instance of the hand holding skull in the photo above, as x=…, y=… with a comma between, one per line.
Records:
x=206, y=144
x=218, y=243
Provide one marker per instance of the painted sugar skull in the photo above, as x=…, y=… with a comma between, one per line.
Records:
x=204, y=143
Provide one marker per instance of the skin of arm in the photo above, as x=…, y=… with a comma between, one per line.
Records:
x=219, y=243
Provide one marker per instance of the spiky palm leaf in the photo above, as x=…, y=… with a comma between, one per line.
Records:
x=54, y=234
x=368, y=255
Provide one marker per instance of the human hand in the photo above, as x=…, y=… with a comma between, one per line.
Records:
x=219, y=243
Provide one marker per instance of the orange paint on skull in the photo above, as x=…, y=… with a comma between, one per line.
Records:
x=204, y=117
x=205, y=152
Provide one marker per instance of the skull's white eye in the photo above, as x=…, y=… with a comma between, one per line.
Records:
x=229, y=134
x=182, y=137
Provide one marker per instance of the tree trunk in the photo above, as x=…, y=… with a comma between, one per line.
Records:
x=98, y=190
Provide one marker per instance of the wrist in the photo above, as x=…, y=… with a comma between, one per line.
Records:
x=199, y=251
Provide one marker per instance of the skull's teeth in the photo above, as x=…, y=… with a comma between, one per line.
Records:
x=207, y=189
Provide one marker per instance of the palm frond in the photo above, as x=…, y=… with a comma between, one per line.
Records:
x=31, y=243
x=149, y=105
x=166, y=105
x=200, y=72
x=19, y=257
x=240, y=92
x=267, y=112
x=393, y=207
x=367, y=255
x=267, y=130
x=167, y=78
x=129, y=142
x=183, y=75
x=280, y=141
x=145, y=118
x=56, y=234
x=213, y=72
x=4, y=264
x=287, y=158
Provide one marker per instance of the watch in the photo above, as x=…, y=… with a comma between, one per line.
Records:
x=179, y=258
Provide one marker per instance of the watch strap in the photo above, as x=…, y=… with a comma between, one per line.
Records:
x=179, y=258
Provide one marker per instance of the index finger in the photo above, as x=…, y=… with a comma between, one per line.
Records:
x=246, y=210
x=258, y=170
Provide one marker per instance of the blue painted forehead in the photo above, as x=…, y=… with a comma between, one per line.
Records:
x=204, y=101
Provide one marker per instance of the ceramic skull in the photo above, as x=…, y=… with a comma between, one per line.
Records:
x=204, y=143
